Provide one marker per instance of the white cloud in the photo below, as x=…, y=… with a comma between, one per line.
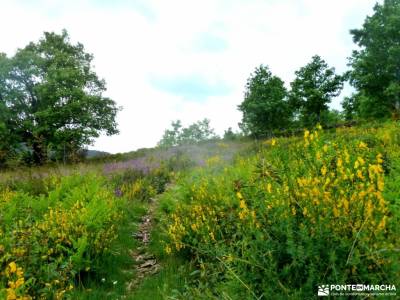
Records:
x=133, y=43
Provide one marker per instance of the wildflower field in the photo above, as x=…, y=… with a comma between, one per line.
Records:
x=297, y=213
x=269, y=219
x=59, y=230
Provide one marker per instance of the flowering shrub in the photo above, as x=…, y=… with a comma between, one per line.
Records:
x=140, y=189
x=299, y=213
x=48, y=241
x=136, y=185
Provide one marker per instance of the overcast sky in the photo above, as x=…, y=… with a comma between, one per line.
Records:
x=188, y=60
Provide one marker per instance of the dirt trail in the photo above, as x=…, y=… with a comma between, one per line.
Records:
x=146, y=263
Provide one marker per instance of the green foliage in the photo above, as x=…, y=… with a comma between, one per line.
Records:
x=376, y=67
x=350, y=107
x=331, y=117
x=113, y=271
x=167, y=284
x=194, y=133
x=55, y=239
x=230, y=135
x=53, y=99
x=299, y=212
x=312, y=90
x=8, y=139
x=264, y=107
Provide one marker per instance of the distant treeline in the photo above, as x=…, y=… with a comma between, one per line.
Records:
x=374, y=73
x=52, y=104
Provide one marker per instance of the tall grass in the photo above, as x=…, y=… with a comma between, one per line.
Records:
x=301, y=212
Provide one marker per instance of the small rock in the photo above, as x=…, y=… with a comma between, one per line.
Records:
x=137, y=235
x=143, y=257
x=148, y=263
x=155, y=270
x=146, y=238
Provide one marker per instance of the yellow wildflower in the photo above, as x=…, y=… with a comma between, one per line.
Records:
x=11, y=294
x=362, y=194
x=20, y=273
x=325, y=148
x=242, y=204
x=346, y=156
x=380, y=184
x=382, y=223
x=323, y=170
x=212, y=235
x=327, y=181
x=318, y=155
x=362, y=145
x=339, y=162
x=13, y=267
x=194, y=227
x=335, y=212
x=380, y=199
x=19, y=282
x=346, y=204
x=369, y=209
x=356, y=164
x=242, y=214
x=315, y=191
x=269, y=188
x=305, y=211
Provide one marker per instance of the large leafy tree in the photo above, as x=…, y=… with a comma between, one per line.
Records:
x=264, y=107
x=9, y=141
x=376, y=65
x=55, y=98
x=312, y=90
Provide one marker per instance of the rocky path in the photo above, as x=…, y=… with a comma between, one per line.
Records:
x=146, y=263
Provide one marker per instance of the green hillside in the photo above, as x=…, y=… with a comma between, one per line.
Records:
x=224, y=220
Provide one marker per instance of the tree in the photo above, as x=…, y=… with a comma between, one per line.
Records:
x=55, y=97
x=313, y=89
x=197, y=132
x=356, y=106
x=230, y=135
x=9, y=141
x=264, y=107
x=171, y=137
x=194, y=133
x=376, y=66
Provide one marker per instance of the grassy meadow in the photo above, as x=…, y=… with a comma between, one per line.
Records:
x=268, y=219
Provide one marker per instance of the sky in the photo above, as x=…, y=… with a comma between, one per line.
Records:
x=185, y=59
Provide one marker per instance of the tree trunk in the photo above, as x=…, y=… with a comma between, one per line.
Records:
x=39, y=152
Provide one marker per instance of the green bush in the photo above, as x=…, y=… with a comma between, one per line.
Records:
x=48, y=241
x=299, y=213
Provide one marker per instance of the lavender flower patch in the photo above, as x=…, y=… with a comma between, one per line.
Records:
x=141, y=164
